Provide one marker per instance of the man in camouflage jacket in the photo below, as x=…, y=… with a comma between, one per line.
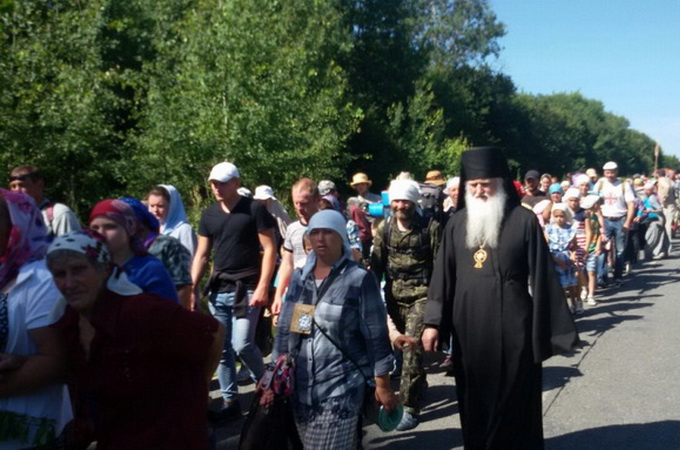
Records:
x=404, y=250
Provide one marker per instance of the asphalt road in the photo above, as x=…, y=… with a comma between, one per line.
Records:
x=620, y=390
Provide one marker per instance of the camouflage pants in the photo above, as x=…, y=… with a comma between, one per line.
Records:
x=409, y=320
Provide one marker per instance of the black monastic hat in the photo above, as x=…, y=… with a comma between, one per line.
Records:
x=486, y=162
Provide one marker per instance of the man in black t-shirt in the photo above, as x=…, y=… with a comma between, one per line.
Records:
x=235, y=227
x=532, y=193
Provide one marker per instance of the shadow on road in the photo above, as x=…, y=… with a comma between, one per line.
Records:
x=443, y=439
x=664, y=435
x=555, y=377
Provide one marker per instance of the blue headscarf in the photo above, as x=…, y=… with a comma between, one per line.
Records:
x=176, y=214
x=555, y=188
x=144, y=217
x=331, y=220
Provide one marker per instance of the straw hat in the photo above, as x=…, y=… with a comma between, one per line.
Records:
x=359, y=178
x=435, y=178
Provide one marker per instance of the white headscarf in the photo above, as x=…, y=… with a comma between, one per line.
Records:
x=571, y=193
x=176, y=213
x=564, y=208
x=404, y=190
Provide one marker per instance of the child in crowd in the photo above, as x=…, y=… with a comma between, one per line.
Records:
x=562, y=243
x=578, y=223
x=591, y=205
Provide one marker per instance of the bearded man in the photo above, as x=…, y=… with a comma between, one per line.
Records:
x=404, y=250
x=495, y=285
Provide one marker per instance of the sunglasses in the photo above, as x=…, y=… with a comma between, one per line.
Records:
x=19, y=177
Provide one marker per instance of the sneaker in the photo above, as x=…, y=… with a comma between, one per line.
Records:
x=230, y=411
x=591, y=301
x=408, y=422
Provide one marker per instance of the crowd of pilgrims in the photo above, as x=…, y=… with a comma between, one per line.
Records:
x=59, y=364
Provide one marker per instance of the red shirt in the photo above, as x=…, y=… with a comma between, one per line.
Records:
x=144, y=384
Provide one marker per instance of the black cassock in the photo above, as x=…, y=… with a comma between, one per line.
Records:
x=502, y=331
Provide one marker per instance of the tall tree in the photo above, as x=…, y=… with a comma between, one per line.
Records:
x=254, y=82
x=53, y=95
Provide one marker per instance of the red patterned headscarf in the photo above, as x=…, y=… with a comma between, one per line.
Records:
x=121, y=213
x=27, y=238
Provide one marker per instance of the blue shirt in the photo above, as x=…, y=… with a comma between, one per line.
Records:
x=352, y=313
x=148, y=273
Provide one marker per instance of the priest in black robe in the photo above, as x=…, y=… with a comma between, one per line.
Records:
x=496, y=288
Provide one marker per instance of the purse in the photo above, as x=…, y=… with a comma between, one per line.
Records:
x=273, y=427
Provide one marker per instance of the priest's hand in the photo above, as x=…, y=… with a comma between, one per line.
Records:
x=430, y=339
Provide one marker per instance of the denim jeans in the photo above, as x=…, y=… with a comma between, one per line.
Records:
x=614, y=231
x=239, y=341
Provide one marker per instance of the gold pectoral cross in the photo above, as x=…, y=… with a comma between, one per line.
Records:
x=479, y=257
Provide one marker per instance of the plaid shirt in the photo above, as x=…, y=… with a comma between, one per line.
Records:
x=352, y=313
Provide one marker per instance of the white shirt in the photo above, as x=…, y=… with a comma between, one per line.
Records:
x=294, y=242
x=616, y=197
x=29, y=306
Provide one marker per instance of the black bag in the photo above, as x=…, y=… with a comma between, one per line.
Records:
x=263, y=333
x=270, y=428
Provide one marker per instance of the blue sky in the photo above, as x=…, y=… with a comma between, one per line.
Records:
x=624, y=53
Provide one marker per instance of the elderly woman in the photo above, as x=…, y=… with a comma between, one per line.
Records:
x=141, y=365
x=334, y=325
x=651, y=220
x=116, y=221
x=166, y=205
x=34, y=408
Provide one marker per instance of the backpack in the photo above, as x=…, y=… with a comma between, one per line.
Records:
x=431, y=200
x=600, y=185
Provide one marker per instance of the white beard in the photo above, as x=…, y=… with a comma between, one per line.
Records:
x=484, y=218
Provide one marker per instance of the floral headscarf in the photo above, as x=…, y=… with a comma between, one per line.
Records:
x=93, y=246
x=123, y=214
x=85, y=241
x=27, y=238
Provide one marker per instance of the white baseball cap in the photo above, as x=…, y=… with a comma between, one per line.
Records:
x=611, y=165
x=224, y=172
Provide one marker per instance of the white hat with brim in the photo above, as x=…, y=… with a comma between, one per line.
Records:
x=264, y=192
